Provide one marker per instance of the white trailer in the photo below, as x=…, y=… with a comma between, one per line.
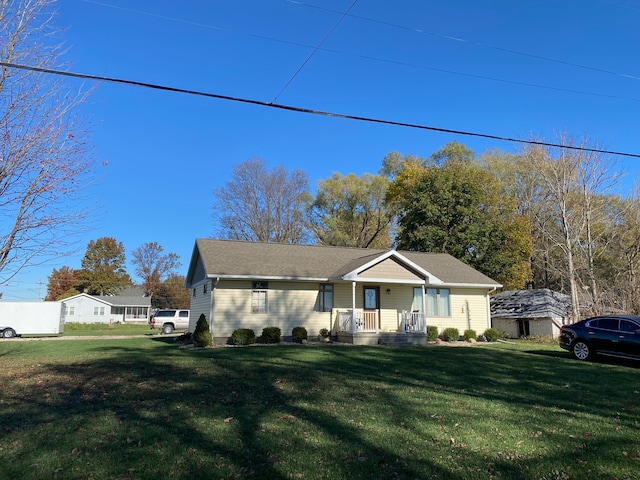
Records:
x=31, y=318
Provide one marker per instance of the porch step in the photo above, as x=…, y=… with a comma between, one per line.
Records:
x=383, y=338
x=402, y=339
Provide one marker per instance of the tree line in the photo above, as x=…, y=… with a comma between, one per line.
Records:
x=552, y=217
x=545, y=217
x=103, y=272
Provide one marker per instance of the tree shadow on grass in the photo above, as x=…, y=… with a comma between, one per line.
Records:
x=289, y=412
x=598, y=359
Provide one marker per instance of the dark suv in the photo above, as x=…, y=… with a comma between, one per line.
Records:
x=612, y=335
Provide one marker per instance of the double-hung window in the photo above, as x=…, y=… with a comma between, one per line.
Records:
x=325, y=303
x=259, y=297
x=98, y=310
x=438, y=302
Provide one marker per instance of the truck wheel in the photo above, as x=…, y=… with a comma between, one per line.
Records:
x=167, y=329
x=8, y=333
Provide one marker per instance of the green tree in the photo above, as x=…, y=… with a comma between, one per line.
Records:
x=452, y=151
x=202, y=334
x=351, y=211
x=171, y=294
x=457, y=207
x=62, y=284
x=103, y=267
x=153, y=266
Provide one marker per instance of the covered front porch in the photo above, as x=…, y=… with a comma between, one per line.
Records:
x=363, y=327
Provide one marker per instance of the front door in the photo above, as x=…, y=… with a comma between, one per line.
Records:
x=371, y=307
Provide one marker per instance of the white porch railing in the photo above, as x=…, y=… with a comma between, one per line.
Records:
x=360, y=322
x=413, y=322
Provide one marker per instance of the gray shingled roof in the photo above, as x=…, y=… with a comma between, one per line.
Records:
x=130, y=297
x=541, y=303
x=229, y=258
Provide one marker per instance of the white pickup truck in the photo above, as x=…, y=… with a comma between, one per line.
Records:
x=169, y=320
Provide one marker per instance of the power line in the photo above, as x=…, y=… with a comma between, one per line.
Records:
x=316, y=49
x=292, y=108
x=393, y=62
x=474, y=43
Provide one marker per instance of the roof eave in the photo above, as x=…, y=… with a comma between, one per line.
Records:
x=212, y=276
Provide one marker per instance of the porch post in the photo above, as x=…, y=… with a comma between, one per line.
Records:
x=424, y=309
x=353, y=307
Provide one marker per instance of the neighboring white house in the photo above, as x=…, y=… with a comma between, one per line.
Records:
x=363, y=296
x=530, y=313
x=130, y=307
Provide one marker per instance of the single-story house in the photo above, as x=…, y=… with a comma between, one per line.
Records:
x=129, y=307
x=524, y=313
x=362, y=296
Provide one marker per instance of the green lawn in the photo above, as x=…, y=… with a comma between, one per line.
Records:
x=77, y=329
x=144, y=408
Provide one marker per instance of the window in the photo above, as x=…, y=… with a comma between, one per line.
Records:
x=417, y=300
x=438, y=302
x=69, y=310
x=259, y=297
x=98, y=310
x=326, y=297
x=627, y=326
x=194, y=293
x=523, y=328
x=608, y=323
x=134, y=313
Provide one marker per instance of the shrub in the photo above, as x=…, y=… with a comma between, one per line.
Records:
x=202, y=334
x=468, y=334
x=450, y=334
x=491, y=334
x=243, y=336
x=298, y=334
x=324, y=332
x=271, y=335
x=432, y=333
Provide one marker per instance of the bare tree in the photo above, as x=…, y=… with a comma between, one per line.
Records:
x=43, y=162
x=575, y=182
x=153, y=266
x=262, y=205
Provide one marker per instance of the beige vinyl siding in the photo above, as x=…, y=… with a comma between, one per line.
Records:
x=292, y=304
x=389, y=269
x=289, y=305
x=199, y=304
x=477, y=311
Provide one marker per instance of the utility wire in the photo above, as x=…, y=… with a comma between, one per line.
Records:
x=292, y=108
x=474, y=43
x=393, y=62
x=326, y=37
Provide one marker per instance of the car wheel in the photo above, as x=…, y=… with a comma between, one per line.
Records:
x=8, y=333
x=581, y=350
x=167, y=329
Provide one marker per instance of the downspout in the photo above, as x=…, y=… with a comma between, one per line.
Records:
x=212, y=304
x=489, y=306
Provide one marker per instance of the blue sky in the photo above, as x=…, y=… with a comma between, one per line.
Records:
x=511, y=69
